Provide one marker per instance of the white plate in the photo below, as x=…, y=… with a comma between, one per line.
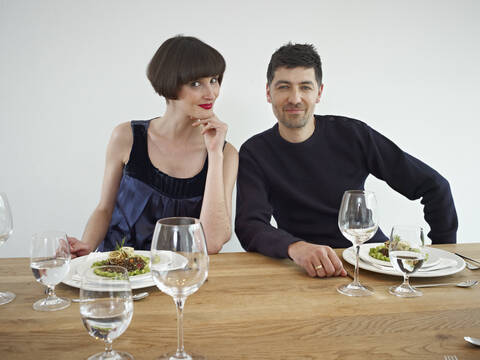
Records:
x=432, y=260
x=453, y=264
x=80, y=264
x=100, y=256
x=167, y=260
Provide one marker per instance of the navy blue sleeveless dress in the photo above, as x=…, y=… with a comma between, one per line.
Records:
x=146, y=194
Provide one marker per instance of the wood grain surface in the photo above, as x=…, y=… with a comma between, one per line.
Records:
x=255, y=307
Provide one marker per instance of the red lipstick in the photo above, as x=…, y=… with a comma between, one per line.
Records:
x=206, y=106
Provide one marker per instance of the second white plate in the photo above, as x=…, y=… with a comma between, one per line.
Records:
x=455, y=264
x=432, y=260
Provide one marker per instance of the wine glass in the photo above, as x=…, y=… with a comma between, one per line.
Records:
x=50, y=263
x=106, y=307
x=6, y=229
x=358, y=222
x=407, y=254
x=179, y=265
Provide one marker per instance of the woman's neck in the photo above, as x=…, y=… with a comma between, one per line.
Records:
x=175, y=125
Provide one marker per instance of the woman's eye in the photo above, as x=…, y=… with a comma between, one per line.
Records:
x=195, y=84
x=214, y=80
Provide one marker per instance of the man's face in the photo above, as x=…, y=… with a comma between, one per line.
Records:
x=293, y=94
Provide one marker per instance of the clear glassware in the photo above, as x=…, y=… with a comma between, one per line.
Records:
x=179, y=265
x=50, y=263
x=106, y=307
x=357, y=220
x=407, y=254
x=6, y=229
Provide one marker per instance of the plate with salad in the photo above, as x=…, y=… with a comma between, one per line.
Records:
x=377, y=253
x=137, y=262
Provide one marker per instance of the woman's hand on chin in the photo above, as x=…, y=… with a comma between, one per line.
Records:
x=214, y=132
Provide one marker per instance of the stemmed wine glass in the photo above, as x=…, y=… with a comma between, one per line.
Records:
x=358, y=222
x=179, y=266
x=106, y=307
x=406, y=253
x=6, y=229
x=50, y=263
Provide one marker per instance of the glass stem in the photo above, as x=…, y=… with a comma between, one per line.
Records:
x=108, y=348
x=357, y=255
x=51, y=292
x=179, y=303
x=405, y=281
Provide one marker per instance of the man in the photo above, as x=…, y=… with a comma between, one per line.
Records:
x=298, y=170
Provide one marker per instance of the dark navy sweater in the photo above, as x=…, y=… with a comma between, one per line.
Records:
x=302, y=184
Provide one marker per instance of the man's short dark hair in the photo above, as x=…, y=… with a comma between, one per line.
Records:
x=182, y=59
x=295, y=55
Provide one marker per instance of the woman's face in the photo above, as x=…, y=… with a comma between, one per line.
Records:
x=196, y=98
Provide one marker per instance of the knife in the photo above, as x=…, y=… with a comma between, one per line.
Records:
x=467, y=258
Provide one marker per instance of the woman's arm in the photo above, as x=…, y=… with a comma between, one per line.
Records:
x=216, y=214
x=118, y=152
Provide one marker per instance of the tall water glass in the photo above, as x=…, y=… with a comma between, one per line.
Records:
x=6, y=229
x=106, y=307
x=358, y=222
x=50, y=263
x=179, y=267
x=407, y=254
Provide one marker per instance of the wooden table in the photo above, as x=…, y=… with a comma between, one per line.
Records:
x=254, y=307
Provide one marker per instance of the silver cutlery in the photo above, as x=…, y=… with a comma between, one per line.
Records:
x=138, y=296
x=472, y=340
x=467, y=258
x=450, y=357
x=464, y=284
x=471, y=266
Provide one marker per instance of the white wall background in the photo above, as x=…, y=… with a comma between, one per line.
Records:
x=71, y=70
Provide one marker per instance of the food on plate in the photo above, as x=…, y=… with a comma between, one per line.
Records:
x=380, y=252
x=123, y=256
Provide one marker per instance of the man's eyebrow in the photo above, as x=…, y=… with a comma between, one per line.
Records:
x=278, y=82
x=306, y=82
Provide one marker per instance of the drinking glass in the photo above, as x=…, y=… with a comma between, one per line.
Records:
x=179, y=267
x=6, y=229
x=358, y=222
x=407, y=254
x=106, y=307
x=50, y=263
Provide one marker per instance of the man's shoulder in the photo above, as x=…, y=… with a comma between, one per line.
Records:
x=259, y=139
x=340, y=121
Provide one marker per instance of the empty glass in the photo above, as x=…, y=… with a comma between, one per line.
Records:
x=179, y=267
x=50, y=263
x=357, y=220
x=106, y=307
x=6, y=229
x=406, y=252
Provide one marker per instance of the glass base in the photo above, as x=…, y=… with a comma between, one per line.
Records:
x=6, y=297
x=355, y=289
x=114, y=355
x=181, y=356
x=51, y=304
x=404, y=290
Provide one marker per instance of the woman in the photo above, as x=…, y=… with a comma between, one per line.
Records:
x=175, y=165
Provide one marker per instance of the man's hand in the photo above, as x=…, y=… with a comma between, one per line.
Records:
x=317, y=260
x=78, y=248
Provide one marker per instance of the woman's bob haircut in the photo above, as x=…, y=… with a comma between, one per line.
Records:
x=182, y=59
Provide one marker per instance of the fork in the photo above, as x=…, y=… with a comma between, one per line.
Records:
x=471, y=266
x=450, y=357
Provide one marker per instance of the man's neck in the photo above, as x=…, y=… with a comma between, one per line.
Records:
x=297, y=135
